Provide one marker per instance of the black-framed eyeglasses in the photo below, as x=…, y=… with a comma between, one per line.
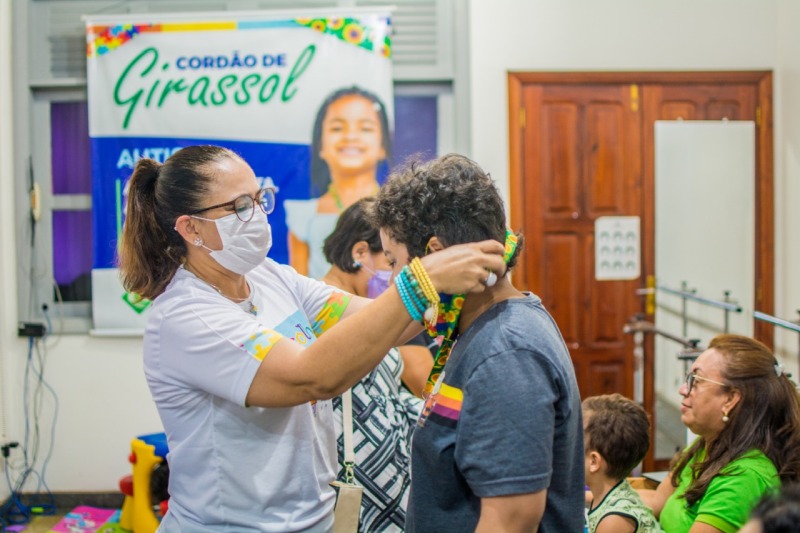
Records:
x=691, y=377
x=245, y=205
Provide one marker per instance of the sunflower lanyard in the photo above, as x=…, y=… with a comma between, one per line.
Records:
x=446, y=325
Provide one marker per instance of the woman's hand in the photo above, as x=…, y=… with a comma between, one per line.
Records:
x=464, y=267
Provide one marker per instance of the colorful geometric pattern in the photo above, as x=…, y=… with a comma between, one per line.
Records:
x=103, y=39
x=260, y=344
x=350, y=31
x=331, y=312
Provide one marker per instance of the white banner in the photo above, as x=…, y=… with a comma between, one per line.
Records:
x=256, y=82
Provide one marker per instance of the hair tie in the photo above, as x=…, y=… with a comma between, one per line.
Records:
x=778, y=369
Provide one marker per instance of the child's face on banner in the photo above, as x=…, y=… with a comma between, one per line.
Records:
x=351, y=136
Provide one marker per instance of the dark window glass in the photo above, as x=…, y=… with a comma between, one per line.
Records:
x=72, y=254
x=69, y=135
x=415, y=128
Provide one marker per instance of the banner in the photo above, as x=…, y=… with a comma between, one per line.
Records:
x=258, y=83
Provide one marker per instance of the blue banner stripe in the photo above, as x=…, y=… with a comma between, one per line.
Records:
x=113, y=159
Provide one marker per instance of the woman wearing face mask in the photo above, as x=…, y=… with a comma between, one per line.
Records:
x=383, y=410
x=232, y=352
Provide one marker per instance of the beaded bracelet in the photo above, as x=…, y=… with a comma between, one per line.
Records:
x=428, y=291
x=412, y=301
x=425, y=282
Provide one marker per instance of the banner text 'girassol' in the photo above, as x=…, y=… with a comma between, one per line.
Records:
x=140, y=84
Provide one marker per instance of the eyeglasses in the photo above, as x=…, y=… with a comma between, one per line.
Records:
x=691, y=377
x=245, y=205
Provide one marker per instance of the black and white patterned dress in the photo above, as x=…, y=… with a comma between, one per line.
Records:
x=384, y=414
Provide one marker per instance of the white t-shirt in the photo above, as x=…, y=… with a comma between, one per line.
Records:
x=232, y=467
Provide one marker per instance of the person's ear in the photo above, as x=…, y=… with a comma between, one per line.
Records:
x=434, y=245
x=359, y=251
x=734, y=396
x=187, y=228
x=595, y=462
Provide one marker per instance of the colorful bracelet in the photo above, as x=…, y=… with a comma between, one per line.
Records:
x=424, y=280
x=416, y=293
x=411, y=301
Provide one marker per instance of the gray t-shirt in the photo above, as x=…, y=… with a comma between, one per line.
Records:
x=505, y=418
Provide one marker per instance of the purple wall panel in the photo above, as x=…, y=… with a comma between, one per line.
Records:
x=415, y=130
x=72, y=245
x=71, y=163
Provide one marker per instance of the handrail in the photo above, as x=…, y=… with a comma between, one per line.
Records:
x=794, y=326
x=690, y=295
x=649, y=327
x=638, y=327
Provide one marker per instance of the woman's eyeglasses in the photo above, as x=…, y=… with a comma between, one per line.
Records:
x=691, y=377
x=245, y=205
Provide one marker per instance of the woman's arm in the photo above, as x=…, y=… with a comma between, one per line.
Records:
x=291, y=375
x=298, y=254
x=417, y=364
x=699, y=527
x=655, y=499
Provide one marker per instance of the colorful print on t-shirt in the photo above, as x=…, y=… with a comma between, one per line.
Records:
x=331, y=312
x=297, y=328
x=260, y=343
x=443, y=406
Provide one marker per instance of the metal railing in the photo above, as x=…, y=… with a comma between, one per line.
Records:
x=786, y=324
x=727, y=305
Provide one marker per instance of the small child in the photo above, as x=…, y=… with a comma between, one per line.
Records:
x=617, y=436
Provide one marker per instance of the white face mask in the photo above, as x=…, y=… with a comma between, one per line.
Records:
x=244, y=244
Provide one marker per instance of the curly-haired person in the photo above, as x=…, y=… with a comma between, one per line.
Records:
x=499, y=445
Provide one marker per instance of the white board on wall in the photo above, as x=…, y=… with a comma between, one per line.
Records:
x=705, y=231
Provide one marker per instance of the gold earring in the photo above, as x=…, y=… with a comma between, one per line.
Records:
x=725, y=418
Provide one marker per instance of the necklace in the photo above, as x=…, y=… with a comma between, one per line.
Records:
x=338, y=201
x=245, y=303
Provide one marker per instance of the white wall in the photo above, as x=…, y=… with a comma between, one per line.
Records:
x=787, y=183
x=577, y=35
x=7, y=305
x=104, y=399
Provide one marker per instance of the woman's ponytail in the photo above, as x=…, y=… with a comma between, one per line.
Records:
x=148, y=256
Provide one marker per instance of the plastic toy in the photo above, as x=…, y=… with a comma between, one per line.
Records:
x=147, y=451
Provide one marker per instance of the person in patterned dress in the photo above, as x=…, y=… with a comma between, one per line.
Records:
x=384, y=409
x=617, y=435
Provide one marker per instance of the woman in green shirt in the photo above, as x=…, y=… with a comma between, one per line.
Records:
x=746, y=413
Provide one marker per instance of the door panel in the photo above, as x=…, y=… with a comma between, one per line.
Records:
x=561, y=283
x=582, y=162
x=605, y=128
x=560, y=164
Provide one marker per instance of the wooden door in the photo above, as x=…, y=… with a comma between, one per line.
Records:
x=582, y=146
x=582, y=160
